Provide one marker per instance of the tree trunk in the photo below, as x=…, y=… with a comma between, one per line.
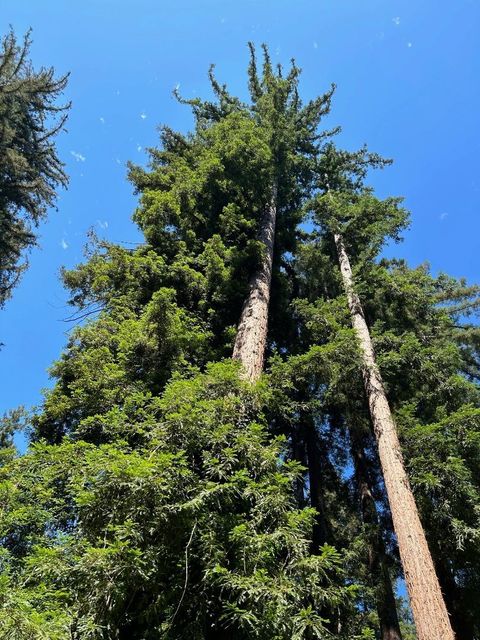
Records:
x=377, y=561
x=252, y=330
x=300, y=456
x=461, y=618
x=428, y=607
x=315, y=477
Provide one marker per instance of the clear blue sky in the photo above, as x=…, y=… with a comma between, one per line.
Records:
x=408, y=85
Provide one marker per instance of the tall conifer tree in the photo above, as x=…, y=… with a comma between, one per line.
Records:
x=429, y=610
x=345, y=206
x=430, y=613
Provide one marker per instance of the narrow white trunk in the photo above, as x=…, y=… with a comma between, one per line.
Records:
x=252, y=330
x=428, y=607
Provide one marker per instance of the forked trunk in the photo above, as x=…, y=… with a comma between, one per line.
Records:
x=377, y=557
x=251, y=338
x=428, y=607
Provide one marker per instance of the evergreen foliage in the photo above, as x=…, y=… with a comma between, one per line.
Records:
x=30, y=169
x=164, y=497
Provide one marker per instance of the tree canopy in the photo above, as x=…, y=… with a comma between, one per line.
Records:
x=165, y=496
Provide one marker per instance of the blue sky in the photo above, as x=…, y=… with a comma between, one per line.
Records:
x=407, y=75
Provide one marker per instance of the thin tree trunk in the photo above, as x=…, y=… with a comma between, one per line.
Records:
x=428, y=607
x=252, y=330
x=300, y=456
x=315, y=476
x=377, y=561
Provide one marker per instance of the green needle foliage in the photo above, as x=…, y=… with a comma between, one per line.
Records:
x=164, y=497
x=192, y=533
x=30, y=169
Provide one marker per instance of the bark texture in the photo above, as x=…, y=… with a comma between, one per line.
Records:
x=252, y=329
x=428, y=607
x=377, y=557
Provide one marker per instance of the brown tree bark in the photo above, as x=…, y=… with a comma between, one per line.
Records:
x=377, y=560
x=252, y=329
x=426, y=599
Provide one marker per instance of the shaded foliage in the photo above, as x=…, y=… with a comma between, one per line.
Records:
x=30, y=170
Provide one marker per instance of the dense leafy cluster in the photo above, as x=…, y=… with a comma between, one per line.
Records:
x=189, y=533
x=164, y=497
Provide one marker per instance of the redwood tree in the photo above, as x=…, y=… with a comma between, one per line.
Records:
x=294, y=142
